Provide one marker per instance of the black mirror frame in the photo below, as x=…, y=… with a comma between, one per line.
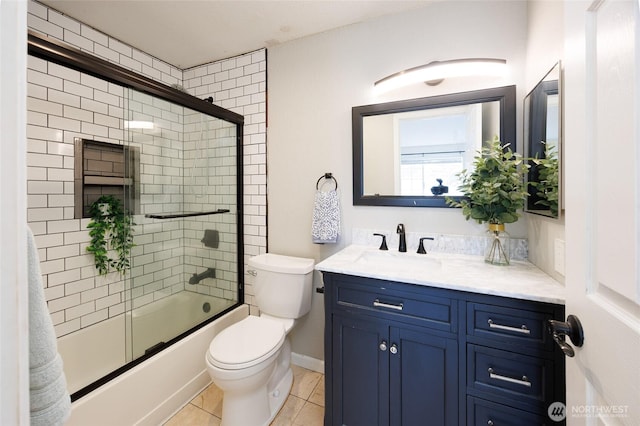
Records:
x=536, y=112
x=505, y=95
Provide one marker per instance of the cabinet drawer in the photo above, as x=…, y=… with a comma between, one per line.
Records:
x=483, y=413
x=527, y=380
x=433, y=312
x=517, y=327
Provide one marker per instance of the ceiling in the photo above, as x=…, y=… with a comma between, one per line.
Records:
x=187, y=33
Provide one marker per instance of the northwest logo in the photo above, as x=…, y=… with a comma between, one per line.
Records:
x=557, y=411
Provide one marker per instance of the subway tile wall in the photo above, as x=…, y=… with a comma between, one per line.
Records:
x=64, y=104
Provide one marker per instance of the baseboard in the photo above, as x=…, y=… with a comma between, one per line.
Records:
x=307, y=362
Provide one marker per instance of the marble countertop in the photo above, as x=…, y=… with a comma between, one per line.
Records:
x=520, y=280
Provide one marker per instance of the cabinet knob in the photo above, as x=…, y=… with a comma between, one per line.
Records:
x=383, y=346
x=490, y=423
x=393, y=349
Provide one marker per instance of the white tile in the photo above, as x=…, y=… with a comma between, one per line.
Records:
x=119, y=47
x=42, y=79
x=77, y=311
x=63, y=21
x=75, y=39
x=63, y=72
x=41, y=132
x=94, y=317
x=41, y=25
x=36, y=91
x=78, y=89
x=61, y=252
x=62, y=123
x=37, y=9
x=56, y=305
x=44, y=187
x=63, y=98
x=43, y=106
x=79, y=286
x=94, y=106
x=106, y=53
x=63, y=226
x=37, y=215
x=94, y=35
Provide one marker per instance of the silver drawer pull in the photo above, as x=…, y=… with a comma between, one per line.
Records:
x=523, y=329
x=378, y=304
x=524, y=381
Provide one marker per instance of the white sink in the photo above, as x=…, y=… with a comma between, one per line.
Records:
x=381, y=259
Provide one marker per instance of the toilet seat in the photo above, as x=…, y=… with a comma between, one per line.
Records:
x=246, y=343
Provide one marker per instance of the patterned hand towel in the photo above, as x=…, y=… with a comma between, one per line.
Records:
x=325, y=227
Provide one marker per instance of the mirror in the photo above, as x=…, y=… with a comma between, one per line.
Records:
x=407, y=153
x=543, y=137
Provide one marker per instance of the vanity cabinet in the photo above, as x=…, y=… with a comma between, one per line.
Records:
x=405, y=354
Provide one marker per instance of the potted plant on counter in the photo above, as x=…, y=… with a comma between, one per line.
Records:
x=110, y=229
x=494, y=193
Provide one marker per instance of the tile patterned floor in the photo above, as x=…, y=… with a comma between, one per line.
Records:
x=303, y=407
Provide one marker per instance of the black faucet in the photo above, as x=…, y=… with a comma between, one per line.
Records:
x=402, y=247
x=383, y=246
x=196, y=278
x=421, y=249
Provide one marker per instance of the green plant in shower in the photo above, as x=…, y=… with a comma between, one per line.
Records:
x=110, y=229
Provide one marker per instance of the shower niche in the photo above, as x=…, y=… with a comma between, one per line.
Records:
x=104, y=168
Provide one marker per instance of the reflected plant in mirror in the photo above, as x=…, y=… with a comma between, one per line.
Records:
x=547, y=186
x=543, y=145
x=409, y=153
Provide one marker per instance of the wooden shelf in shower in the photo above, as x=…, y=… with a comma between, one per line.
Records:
x=184, y=214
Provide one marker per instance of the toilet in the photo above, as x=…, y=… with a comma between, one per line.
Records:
x=250, y=360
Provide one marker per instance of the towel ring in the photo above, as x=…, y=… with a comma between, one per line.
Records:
x=327, y=176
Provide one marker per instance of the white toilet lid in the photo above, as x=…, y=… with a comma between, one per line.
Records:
x=246, y=343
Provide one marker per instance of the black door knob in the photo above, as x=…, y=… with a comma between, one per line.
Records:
x=571, y=328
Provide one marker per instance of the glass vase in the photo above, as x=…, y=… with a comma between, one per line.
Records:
x=497, y=252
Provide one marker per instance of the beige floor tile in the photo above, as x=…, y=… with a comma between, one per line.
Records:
x=304, y=381
x=310, y=415
x=206, y=408
x=210, y=400
x=191, y=415
x=289, y=411
x=317, y=396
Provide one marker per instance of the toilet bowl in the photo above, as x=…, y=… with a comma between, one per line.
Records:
x=250, y=360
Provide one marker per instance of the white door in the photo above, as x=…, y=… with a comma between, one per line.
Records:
x=602, y=135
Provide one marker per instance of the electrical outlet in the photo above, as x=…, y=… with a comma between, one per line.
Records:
x=558, y=255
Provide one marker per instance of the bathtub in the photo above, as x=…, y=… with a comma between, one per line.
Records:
x=167, y=318
x=152, y=391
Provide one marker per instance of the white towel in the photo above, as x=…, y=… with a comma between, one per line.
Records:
x=49, y=399
x=325, y=227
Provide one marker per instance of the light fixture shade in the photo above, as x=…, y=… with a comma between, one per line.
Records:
x=442, y=69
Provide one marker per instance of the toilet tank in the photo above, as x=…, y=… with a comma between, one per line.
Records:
x=283, y=284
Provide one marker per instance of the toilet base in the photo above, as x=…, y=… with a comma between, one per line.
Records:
x=279, y=394
x=258, y=408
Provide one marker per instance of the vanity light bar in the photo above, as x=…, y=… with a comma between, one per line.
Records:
x=439, y=70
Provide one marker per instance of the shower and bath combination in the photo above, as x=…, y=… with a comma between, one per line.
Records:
x=176, y=272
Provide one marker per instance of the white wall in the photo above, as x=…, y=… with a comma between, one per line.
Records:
x=545, y=43
x=313, y=84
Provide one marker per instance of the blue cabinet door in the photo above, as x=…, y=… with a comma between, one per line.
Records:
x=360, y=372
x=423, y=378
